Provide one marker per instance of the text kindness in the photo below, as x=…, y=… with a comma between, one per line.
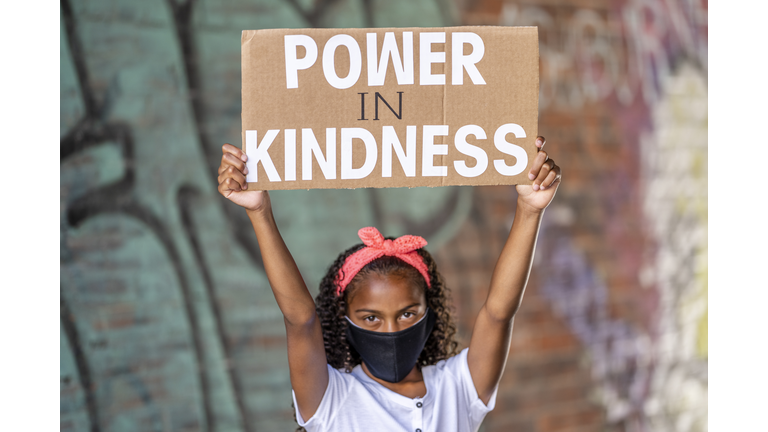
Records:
x=257, y=152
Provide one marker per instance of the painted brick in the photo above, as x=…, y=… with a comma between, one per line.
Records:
x=167, y=311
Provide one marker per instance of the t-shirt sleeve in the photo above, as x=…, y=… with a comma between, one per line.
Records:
x=334, y=396
x=460, y=369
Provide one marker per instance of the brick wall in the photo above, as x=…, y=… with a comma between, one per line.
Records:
x=168, y=323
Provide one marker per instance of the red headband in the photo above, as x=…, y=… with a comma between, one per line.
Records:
x=376, y=246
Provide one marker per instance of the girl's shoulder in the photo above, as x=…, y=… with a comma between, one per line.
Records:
x=452, y=377
x=455, y=366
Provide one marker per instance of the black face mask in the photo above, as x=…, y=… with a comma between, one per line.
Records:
x=391, y=356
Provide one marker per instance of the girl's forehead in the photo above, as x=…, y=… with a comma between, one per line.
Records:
x=383, y=292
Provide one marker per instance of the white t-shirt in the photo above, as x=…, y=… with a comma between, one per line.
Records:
x=355, y=402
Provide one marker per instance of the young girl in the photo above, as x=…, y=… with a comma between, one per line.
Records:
x=376, y=352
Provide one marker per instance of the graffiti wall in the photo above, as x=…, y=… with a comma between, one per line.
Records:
x=167, y=319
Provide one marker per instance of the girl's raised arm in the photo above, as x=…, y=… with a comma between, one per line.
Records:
x=492, y=333
x=306, y=352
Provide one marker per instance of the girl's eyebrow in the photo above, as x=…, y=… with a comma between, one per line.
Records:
x=367, y=310
x=410, y=306
x=375, y=311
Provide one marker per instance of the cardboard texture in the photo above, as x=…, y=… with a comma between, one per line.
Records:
x=455, y=106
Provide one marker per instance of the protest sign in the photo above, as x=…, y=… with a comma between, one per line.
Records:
x=389, y=107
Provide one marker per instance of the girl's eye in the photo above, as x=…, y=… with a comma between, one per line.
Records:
x=408, y=314
x=370, y=318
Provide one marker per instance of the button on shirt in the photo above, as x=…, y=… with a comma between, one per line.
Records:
x=354, y=401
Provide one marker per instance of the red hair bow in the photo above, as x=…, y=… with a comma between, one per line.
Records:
x=377, y=246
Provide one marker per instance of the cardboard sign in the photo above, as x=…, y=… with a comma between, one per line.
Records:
x=389, y=107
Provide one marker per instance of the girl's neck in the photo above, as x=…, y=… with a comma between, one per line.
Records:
x=412, y=386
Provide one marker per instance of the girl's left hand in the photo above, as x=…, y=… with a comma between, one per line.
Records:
x=546, y=178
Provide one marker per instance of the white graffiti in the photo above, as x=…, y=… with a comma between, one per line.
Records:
x=649, y=379
x=674, y=169
x=619, y=354
x=589, y=55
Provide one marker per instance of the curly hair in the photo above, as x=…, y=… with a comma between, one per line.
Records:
x=331, y=310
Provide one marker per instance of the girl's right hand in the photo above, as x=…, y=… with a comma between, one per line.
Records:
x=232, y=184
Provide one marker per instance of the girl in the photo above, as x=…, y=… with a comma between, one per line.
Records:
x=376, y=352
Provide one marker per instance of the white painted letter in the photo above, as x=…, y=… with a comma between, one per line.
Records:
x=290, y=154
x=347, y=135
x=258, y=152
x=407, y=158
x=403, y=70
x=309, y=146
x=427, y=57
x=292, y=64
x=460, y=140
x=501, y=143
x=429, y=149
x=468, y=62
x=355, y=61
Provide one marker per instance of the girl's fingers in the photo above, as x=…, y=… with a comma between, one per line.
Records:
x=234, y=151
x=552, y=177
x=544, y=172
x=229, y=185
x=538, y=162
x=230, y=175
x=225, y=188
x=229, y=160
x=545, y=169
x=239, y=177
